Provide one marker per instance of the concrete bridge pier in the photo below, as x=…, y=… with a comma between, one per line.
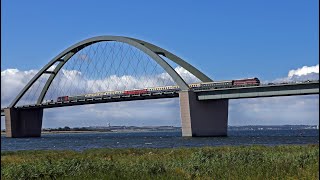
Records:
x=23, y=122
x=203, y=118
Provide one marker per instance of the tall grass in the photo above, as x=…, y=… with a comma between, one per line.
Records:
x=242, y=162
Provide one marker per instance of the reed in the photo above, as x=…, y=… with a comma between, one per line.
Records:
x=228, y=162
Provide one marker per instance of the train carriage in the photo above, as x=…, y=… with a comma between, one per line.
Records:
x=135, y=92
x=62, y=98
x=216, y=84
x=77, y=97
x=194, y=85
x=163, y=89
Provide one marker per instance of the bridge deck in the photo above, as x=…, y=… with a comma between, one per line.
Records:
x=260, y=91
x=100, y=100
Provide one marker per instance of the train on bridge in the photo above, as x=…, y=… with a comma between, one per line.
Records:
x=165, y=89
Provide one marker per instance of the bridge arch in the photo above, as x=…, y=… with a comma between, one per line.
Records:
x=152, y=50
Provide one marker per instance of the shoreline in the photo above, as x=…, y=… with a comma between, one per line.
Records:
x=95, y=131
x=63, y=132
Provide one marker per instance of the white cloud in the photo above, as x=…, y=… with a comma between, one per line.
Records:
x=186, y=75
x=275, y=110
x=137, y=113
x=278, y=110
x=148, y=112
x=301, y=74
x=304, y=71
x=12, y=82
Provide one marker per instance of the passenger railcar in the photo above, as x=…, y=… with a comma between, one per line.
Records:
x=216, y=84
x=135, y=92
x=194, y=85
x=62, y=99
x=163, y=89
x=76, y=98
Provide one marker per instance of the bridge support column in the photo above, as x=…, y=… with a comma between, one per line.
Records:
x=23, y=122
x=203, y=118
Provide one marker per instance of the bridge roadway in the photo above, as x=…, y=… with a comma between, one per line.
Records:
x=261, y=91
x=202, y=94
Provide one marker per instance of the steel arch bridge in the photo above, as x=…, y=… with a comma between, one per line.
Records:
x=152, y=50
x=26, y=121
x=204, y=112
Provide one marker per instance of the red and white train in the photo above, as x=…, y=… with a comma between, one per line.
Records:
x=196, y=86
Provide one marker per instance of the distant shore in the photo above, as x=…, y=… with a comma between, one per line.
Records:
x=67, y=132
x=129, y=129
x=62, y=132
x=93, y=131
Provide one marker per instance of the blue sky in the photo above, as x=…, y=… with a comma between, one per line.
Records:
x=232, y=38
x=224, y=39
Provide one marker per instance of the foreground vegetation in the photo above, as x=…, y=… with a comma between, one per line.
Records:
x=242, y=162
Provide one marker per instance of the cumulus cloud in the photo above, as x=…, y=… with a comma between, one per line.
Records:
x=75, y=83
x=186, y=75
x=275, y=111
x=132, y=113
x=301, y=74
x=128, y=113
x=305, y=70
x=12, y=82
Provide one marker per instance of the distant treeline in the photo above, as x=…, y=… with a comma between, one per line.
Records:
x=169, y=128
x=111, y=128
x=66, y=128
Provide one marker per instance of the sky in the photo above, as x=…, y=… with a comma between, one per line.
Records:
x=273, y=40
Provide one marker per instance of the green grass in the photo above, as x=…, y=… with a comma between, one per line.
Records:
x=230, y=162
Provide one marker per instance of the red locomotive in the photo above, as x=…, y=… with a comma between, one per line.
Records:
x=247, y=82
x=135, y=92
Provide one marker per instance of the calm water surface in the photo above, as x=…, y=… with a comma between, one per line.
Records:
x=82, y=141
